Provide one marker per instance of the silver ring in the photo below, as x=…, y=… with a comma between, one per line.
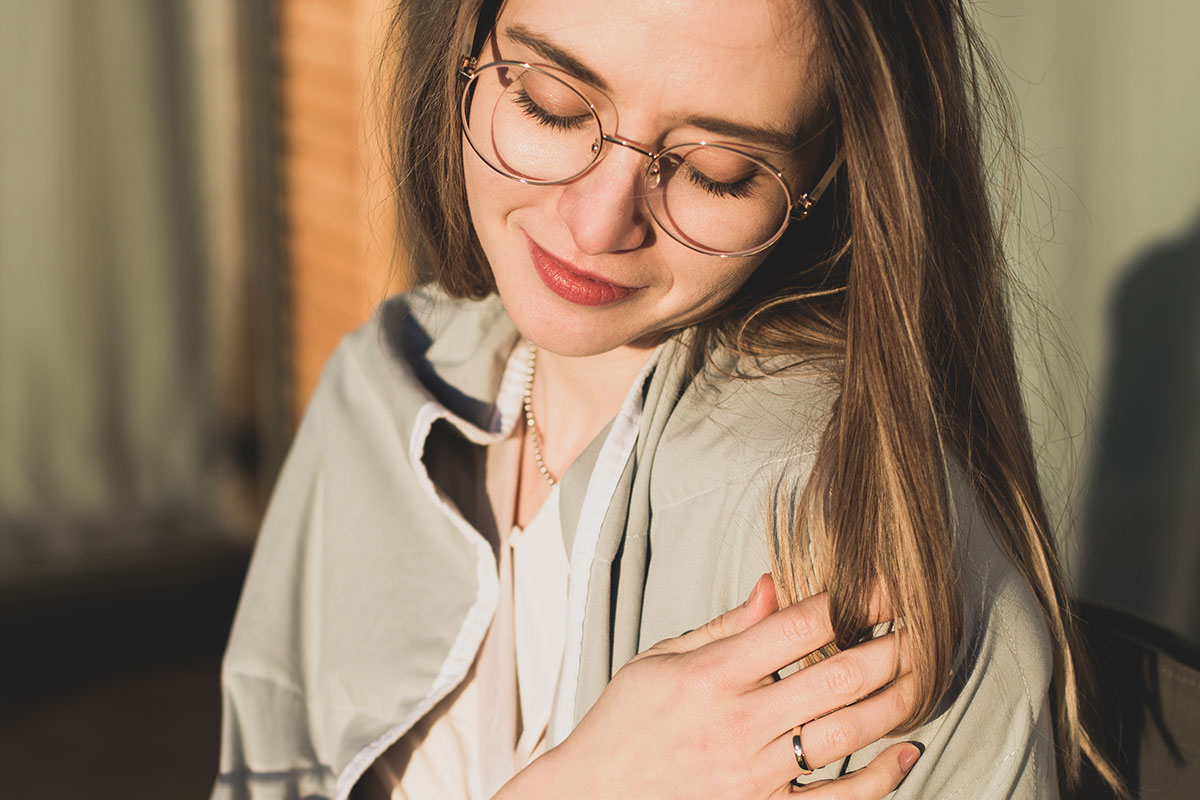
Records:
x=798, y=749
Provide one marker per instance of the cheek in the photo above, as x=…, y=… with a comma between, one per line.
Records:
x=480, y=181
x=723, y=277
x=710, y=283
x=492, y=197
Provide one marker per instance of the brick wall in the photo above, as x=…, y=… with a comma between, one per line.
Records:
x=339, y=223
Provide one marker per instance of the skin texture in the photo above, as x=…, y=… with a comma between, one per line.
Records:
x=663, y=63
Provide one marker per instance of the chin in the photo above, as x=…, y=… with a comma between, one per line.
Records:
x=575, y=339
x=560, y=327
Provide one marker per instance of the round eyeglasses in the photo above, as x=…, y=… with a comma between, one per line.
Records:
x=536, y=127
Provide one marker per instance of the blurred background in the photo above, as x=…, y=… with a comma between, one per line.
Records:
x=193, y=211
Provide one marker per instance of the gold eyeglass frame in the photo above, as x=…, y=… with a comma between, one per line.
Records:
x=798, y=209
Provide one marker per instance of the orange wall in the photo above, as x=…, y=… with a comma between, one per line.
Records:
x=339, y=221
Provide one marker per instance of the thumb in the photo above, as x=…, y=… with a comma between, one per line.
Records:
x=758, y=606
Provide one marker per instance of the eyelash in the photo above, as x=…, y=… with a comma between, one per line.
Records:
x=531, y=109
x=738, y=189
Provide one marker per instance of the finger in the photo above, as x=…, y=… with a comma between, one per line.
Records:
x=758, y=606
x=836, y=682
x=876, y=780
x=848, y=730
x=785, y=637
x=763, y=602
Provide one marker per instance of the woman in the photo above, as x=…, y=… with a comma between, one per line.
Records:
x=495, y=503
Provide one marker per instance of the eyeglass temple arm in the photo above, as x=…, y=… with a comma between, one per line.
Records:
x=807, y=200
x=484, y=23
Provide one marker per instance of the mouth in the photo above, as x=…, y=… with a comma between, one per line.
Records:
x=573, y=284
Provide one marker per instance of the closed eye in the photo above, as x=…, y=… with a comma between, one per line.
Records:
x=532, y=109
x=741, y=188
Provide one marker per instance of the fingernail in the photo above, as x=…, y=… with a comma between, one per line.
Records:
x=909, y=756
x=755, y=589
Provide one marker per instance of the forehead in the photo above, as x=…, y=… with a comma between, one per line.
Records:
x=752, y=60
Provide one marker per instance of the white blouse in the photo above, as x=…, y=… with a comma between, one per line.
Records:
x=494, y=723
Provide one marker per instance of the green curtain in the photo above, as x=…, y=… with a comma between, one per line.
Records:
x=115, y=240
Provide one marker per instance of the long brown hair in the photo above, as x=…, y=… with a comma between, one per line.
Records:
x=897, y=284
x=922, y=338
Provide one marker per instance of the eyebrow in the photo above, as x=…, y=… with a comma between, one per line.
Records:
x=552, y=52
x=772, y=138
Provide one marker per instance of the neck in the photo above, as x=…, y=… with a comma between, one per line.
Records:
x=590, y=381
x=575, y=397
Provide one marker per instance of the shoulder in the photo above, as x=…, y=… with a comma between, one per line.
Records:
x=1004, y=626
x=419, y=346
x=993, y=734
x=732, y=442
x=734, y=423
x=427, y=326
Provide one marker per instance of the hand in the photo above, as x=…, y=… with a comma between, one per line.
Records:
x=701, y=715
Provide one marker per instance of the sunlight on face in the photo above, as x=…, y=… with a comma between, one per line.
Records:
x=581, y=266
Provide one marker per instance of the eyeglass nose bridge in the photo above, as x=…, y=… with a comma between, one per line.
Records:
x=605, y=137
x=653, y=173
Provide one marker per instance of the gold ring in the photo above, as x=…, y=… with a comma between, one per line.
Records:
x=798, y=749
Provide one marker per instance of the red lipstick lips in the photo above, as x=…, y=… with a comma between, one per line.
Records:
x=573, y=285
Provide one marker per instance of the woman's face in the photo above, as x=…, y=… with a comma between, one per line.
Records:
x=582, y=267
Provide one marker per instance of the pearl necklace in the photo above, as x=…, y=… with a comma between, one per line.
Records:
x=534, y=436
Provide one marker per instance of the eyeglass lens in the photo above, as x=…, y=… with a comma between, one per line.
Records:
x=535, y=127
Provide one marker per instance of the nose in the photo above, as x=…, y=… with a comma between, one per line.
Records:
x=605, y=208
